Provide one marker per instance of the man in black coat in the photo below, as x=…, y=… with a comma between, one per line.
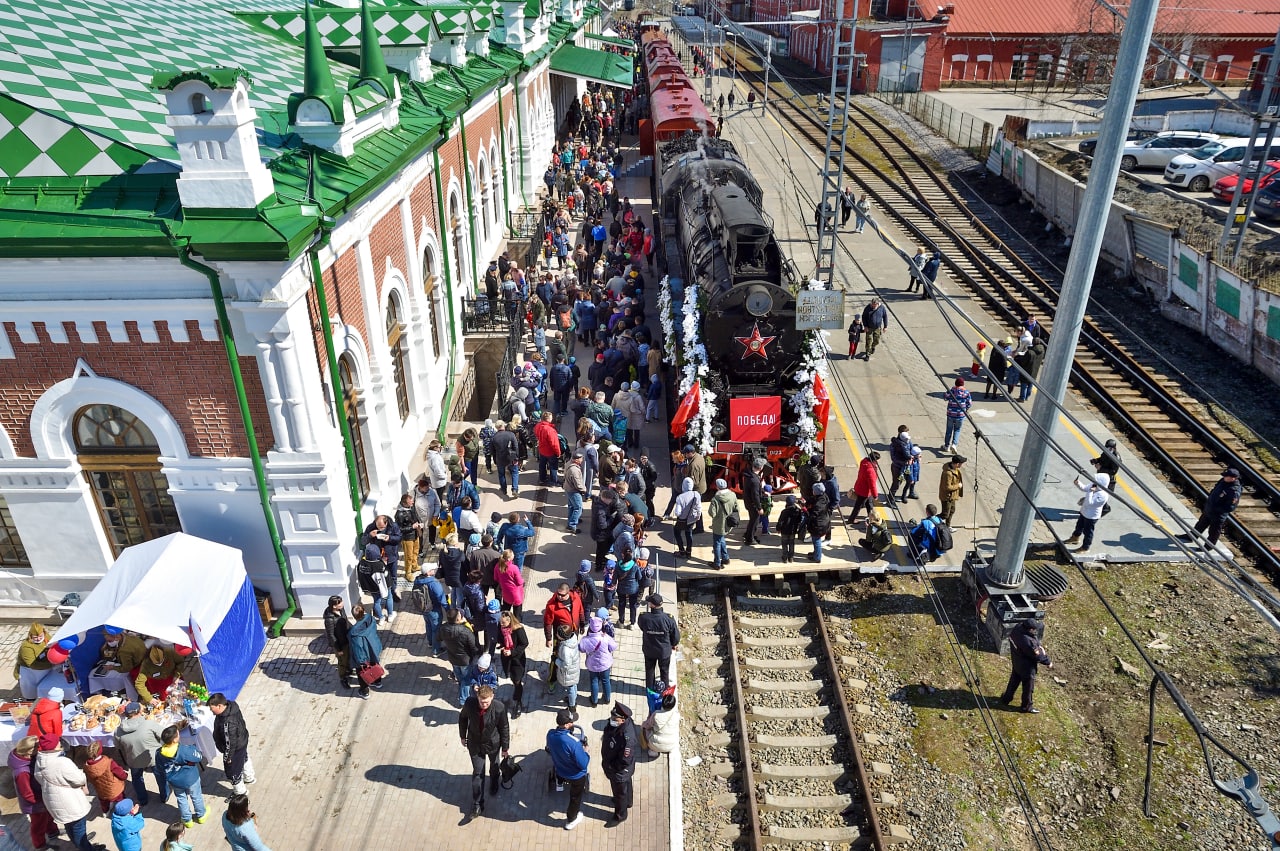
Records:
x=1220, y=502
x=604, y=516
x=506, y=454
x=618, y=750
x=661, y=636
x=231, y=735
x=753, y=500
x=486, y=735
x=1026, y=654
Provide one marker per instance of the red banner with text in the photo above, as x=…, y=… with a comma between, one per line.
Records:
x=755, y=419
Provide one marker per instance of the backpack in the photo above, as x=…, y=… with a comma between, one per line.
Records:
x=619, y=428
x=647, y=575
x=942, y=537
x=564, y=446
x=420, y=599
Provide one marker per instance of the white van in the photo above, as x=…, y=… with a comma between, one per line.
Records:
x=1201, y=168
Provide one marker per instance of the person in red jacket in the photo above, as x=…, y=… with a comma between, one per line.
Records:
x=46, y=715
x=866, y=488
x=548, y=438
x=564, y=607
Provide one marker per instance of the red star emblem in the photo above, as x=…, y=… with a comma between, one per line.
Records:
x=755, y=344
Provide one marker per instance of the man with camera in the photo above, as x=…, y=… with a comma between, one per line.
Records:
x=568, y=748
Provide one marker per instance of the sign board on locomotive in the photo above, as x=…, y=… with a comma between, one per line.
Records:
x=755, y=419
x=819, y=310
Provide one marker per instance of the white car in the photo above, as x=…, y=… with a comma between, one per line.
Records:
x=1206, y=165
x=1157, y=151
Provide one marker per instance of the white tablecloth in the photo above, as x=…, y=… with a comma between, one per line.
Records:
x=199, y=733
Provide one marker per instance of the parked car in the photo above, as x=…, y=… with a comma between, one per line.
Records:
x=1157, y=151
x=1267, y=204
x=1224, y=188
x=1199, y=169
x=1088, y=146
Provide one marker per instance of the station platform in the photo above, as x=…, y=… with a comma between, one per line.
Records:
x=918, y=360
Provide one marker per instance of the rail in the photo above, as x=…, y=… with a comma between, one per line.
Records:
x=740, y=717
x=1003, y=288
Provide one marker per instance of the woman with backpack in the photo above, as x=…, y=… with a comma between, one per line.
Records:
x=628, y=591
x=647, y=574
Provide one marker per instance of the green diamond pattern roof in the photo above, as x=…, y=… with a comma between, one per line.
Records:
x=91, y=62
x=341, y=27
x=33, y=144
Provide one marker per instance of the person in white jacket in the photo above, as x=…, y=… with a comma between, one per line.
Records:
x=1091, y=506
x=661, y=730
x=65, y=796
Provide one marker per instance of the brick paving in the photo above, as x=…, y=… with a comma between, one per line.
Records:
x=333, y=768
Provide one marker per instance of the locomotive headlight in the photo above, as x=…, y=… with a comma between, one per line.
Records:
x=759, y=301
x=791, y=429
x=717, y=430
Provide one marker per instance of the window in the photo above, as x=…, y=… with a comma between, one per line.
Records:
x=879, y=8
x=1198, y=64
x=1044, y=69
x=396, y=345
x=1079, y=68
x=121, y=461
x=199, y=104
x=429, y=275
x=351, y=411
x=12, y=553
x=1019, y=68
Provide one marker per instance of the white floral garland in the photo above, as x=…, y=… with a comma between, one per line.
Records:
x=813, y=363
x=693, y=360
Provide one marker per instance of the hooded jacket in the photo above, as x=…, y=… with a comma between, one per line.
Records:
x=366, y=647
x=867, y=483
x=698, y=472
x=28, y=792
x=182, y=767
x=598, y=647
x=62, y=785
x=722, y=505
x=510, y=579
x=688, y=505
x=106, y=777
x=46, y=718
x=568, y=662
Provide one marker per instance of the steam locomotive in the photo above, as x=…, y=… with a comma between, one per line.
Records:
x=719, y=251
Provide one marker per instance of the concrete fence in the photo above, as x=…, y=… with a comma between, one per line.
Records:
x=1193, y=290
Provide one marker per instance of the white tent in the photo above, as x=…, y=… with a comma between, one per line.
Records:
x=180, y=589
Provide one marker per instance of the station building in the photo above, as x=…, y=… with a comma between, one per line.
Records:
x=916, y=45
x=234, y=240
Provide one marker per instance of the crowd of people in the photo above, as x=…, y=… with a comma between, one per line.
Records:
x=58, y=784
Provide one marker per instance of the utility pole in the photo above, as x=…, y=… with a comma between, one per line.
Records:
x=844, y=61
x=1019, y=512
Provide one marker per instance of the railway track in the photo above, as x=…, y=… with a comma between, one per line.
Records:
x=801, y=776
x=1131, y=385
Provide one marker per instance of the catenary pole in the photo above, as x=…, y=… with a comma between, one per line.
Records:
x=1019, y=512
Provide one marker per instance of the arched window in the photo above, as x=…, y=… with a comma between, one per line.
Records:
x=430, y=272
x=398, y=348
x=457, y=234
x=485, y=198
x=351, y=412
x=121, y=461
x=199, y=104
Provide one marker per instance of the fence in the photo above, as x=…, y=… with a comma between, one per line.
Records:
x=1235, y=313
x=964, y=130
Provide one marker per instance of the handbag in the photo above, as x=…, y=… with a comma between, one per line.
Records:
x=370, y=674
x=730, y=520
x=508, y=769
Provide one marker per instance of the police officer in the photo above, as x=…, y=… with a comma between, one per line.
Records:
x=1222, y=500
x=1026, y=653
x=618, y=750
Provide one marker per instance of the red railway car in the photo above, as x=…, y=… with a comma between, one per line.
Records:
x=674, y=105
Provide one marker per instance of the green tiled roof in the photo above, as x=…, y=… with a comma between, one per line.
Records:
x=88, y=165
x=400, y=25
x=609, y=68
x=625, y=43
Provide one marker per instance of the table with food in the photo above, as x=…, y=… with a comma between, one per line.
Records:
x=96, y=719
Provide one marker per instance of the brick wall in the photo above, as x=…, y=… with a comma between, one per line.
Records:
x=191, y=380
x=387, y=240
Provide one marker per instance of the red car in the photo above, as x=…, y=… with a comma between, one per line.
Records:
x=1225, y=187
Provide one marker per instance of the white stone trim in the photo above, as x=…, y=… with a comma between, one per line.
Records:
x=6, y=444
x=53, y=412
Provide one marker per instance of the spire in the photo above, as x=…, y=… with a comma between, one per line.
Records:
x=372, y=65
x=317, y=81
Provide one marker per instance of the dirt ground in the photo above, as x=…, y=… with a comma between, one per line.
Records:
x=1082, y=759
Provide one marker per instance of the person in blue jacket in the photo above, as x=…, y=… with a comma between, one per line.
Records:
x=515, y=535
x=181, y=766
x=569, y=756
x=126, y=825
x=365, y=646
